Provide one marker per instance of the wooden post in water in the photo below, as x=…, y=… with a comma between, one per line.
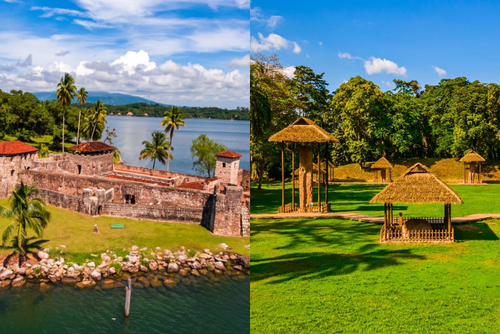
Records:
x=128, y=295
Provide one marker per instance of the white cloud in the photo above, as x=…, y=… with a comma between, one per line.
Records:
x=346, y=55
x=289, y=71
x=320, y=43
x=49, y=11
x=439, y=71
x=296, y=48
x=269, y=43
x=271, y=22
x=134, y=73
x=378, y=65
x=240, y=62
x=90, y=25
x=388, y=83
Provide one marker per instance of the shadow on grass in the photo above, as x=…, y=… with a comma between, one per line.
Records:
x=474, y=231
x=316, y=265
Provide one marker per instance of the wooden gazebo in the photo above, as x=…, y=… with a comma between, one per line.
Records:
x=472, y=166
x=315, y=172
x=305, y=133
x=383, y=170
x=331, y=170
x=417, y=186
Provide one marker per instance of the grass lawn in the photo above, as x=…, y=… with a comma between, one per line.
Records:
x=333, y=276
x=74, y=230
x=356, y=197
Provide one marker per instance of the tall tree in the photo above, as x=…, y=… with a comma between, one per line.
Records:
x=94, y=121
x=157, y=149
x=65, y=93
x=172, y=120
x=203, y=152
x=81, y=97
x=26, y=213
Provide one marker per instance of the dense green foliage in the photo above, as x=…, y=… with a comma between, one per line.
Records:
x=158, y=110
x=27, y=213
x=203, y=152
x=441, y=121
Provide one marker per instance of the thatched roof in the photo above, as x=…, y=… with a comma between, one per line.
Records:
x=303, y=130
x=417, y=185
x=382, y=163
x=472, y=157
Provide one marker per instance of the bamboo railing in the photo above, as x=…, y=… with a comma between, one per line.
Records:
x=398, y=235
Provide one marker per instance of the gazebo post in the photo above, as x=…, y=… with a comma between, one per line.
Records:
x=293, y=177
x=327, y=167
x=385, y=221
x=283, y=174
x=465, y=174
x=445, y=216
x=479, y=174
x=319, y=183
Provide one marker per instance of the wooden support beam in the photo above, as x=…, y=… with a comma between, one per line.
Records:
x=283, y=174
x=327, y=168
x=479, y=174
x=293, y=177
x=465, y=174
x=319, y=176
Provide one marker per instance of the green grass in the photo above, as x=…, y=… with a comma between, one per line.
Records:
x=74, y=230
x=333, y=276
x=356, y=197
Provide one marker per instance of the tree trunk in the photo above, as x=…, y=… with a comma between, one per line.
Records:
x=168, y=158
x=154, y=161
x=64, y=112
x=78, y=131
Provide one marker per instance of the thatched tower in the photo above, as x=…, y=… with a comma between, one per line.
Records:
x=417, y=185
x=382, y=168
x=472, y=166
x=305, y=133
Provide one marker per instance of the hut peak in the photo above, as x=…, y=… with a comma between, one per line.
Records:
x=303, y=130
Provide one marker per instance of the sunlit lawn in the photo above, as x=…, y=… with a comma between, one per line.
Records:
x=333, y=276
x=74, y=230
x=356, y=197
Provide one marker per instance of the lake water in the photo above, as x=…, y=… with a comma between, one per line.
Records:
x=208, y=307
x=132, y=131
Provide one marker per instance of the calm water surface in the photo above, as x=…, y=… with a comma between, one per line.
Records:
x=132, y=131
x=208, y=307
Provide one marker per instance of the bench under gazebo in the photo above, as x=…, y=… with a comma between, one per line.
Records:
x=306, y=134
x=417, y=186
x=472, y=167
x=383, y=170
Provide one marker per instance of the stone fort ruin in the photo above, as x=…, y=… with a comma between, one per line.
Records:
x=87, y=181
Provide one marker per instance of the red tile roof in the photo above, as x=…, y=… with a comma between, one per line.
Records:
x=92, y=147
x=15, y=147
x=197, y=185
x=229, y=154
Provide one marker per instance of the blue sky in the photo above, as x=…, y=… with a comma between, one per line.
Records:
x=382, y=40
x=185, y=52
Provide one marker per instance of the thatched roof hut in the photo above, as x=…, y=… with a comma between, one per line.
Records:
x=382, y=163
x=472, y=166
x=303, y=130
x=472, y=156
x=417, y=185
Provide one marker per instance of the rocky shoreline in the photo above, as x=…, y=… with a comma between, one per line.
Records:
x=146, y=267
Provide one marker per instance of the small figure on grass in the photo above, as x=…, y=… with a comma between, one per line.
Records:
x=96, y=230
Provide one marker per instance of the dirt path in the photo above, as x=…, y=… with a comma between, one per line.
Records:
x=366, y=218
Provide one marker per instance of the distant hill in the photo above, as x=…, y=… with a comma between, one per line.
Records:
x=115, y=99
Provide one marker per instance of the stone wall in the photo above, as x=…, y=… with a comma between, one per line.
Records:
x=183, y=177
x=62, y=200
x=228, y=212
x=245, y=220
x=169, y=214
x=244, y=179
x=100, y=164
x=10, y=168
x=144, y=194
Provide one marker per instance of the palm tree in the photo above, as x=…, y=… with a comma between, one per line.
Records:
x=172, y=120
x=95, y=120
x=26, y=213
x=65, y=93
x=157, y=149
x=82, y=98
